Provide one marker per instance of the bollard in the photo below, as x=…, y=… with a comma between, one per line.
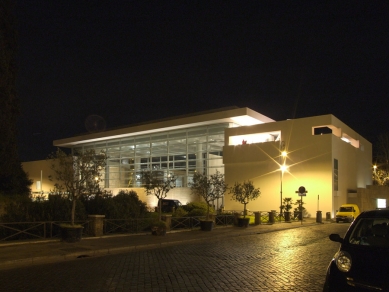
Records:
x=318, y=217
x=271, y=217
x=328, y=216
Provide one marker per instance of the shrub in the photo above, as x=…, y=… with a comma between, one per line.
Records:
x=59, y=208
x=127, y=205
x=56, y=208
x=101, y=204
x=180, y=212
x=158, y=224
x=197, y=209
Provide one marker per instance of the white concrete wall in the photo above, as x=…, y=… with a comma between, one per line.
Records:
x=34, y=170
x=310, y=160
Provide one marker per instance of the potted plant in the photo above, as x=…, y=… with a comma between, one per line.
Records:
x=244, y=193
x=299, y=210
x=209, y=189
x=76, y=174
x=286, y=207
x=158, y=228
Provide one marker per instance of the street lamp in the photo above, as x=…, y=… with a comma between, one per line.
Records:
x=283, y=168
x=375, y=181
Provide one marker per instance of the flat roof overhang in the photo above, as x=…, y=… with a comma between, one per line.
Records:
x=240, y=116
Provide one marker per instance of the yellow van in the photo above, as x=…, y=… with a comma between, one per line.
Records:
x=347, y=213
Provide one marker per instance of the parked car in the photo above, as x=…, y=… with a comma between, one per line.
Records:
x=169, y=205
x=347, y=213
x=362, y=261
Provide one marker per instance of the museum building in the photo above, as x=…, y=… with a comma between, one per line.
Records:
x=321, y=153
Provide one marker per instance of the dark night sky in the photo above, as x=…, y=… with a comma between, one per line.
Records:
x=135, y=61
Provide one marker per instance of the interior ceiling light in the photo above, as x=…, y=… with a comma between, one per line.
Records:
x=246, y=121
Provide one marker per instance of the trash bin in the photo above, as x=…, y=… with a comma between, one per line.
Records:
x=328, y=216
x=318, y=217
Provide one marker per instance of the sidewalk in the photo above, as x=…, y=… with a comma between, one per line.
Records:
x=22, y=253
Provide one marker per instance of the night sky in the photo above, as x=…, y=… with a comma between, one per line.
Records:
x=136, y=61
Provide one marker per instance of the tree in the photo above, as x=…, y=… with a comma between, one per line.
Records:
x=209, y=188
x=244, y=193
x=157, y=185
x=287, y=204
x=77, y=174
x=300, y=209
x=381, y=168
x=380, y=177
x=13, y=179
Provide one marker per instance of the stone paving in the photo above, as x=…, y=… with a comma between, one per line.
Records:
x=278, y=259
x=32, y=252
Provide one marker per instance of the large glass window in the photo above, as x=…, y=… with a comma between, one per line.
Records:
x=179, y=153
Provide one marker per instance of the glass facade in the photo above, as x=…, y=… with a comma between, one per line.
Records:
x=176, y=153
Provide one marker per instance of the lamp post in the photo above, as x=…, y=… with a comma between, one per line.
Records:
x=283, y=168
x=375, y=174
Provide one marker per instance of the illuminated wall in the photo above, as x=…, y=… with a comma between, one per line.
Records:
x=39, y=172
x=311, y=144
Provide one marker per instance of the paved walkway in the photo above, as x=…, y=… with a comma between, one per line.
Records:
x=22, y=253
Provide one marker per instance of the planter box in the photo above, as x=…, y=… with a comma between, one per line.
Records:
x=158, y=231
x=71, y=234
x=287, y=216
x=243, y=222
x=206, y=225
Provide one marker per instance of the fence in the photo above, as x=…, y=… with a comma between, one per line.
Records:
x=266, y=217
x=51, y=229
x=178, y=223
x=112, y=226
x=35, y=230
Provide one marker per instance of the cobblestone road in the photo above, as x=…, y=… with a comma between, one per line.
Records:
x=288, y=260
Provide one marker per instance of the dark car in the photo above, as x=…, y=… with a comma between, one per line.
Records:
x=169, y=205
x=362, y=262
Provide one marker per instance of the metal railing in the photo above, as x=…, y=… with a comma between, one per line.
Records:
x=265, y=217
x=51, y=229
x=178, y=223
x=114, y=226
x=35, y=230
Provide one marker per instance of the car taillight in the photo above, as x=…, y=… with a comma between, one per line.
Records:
x=343, y=261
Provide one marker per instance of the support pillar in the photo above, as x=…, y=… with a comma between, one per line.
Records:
x=257, y=216
x=96, y=225
x=168, y=221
